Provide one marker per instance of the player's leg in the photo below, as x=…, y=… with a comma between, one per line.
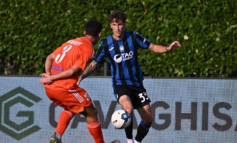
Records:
x=65, y=116
x=141, y=102
x=93, y=123
x=143, y=128
x=126, y=105
x=124, y=98
x=86, y=108
x=63, y=122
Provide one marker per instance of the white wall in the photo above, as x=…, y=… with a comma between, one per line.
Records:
x=209, y=105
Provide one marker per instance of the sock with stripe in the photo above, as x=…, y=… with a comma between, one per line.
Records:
x=142, y=131
x=96, y=131
x=63, y=121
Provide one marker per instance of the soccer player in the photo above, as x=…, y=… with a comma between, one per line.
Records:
x=63, y=66
x=120, y=49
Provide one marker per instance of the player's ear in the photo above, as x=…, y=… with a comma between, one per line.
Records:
x=99, y=34
x=110, y=24
x=84, y=32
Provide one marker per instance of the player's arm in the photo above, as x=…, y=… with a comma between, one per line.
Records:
x=87, y=71
x=65, y=74
x=48, y=63
x=157, y=48
x=162, y=49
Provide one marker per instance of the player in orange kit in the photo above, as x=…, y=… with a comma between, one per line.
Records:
x=60, y=80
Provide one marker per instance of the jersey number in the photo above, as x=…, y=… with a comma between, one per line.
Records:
x=142, y=96
x=60, y=57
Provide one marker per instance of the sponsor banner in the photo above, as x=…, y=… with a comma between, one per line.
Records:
x=184, y=111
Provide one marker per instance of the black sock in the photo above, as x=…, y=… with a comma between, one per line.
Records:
x=129, y=130
x=142, y=131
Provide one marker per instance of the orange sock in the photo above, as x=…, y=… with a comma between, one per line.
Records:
x=63, y=121
x=96, y=131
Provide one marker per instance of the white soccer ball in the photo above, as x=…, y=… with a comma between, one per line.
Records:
x=121, y=119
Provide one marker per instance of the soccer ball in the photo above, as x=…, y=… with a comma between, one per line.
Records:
x=121, y=119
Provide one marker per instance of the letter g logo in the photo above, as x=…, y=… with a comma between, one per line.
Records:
x=118, y=58
x=10, y=99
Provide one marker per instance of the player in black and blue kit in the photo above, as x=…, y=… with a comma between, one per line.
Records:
x=123, y=58
x=121, y=50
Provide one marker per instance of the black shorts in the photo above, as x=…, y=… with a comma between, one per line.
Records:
x=137, y=95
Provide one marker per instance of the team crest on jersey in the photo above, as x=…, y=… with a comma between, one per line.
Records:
x=121, y=48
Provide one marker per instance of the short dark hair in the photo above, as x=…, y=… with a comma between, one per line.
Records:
x=117, y=15
x=93, y=27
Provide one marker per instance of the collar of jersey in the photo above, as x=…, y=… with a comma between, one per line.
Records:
x=85, y=39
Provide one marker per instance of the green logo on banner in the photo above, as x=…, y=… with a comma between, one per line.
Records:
x=7, y=125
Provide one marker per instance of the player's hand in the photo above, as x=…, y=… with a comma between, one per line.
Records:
x=79, y=80
x=45, y=78
x=174, y=45
x=48, y=73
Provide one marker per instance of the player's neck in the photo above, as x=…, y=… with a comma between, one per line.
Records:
x=90, y=38
x=120, y=37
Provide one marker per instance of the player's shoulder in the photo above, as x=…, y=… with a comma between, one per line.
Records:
x=74, y=42
x=136, y=33
x=131, y=32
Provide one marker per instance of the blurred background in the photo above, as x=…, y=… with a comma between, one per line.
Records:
x=207, y=31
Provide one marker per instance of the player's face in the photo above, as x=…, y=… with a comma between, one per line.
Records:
x=117, y=27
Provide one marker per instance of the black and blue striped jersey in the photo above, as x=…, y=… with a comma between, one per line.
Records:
x=122, y=56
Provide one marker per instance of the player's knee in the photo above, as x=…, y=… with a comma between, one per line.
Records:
x=129, y=110
x=148, y=120
x=95, y=111
x=92, y=112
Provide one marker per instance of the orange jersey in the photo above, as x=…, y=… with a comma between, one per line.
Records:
x=78, y=52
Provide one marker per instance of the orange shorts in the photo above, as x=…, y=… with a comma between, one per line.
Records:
x=73, y=100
